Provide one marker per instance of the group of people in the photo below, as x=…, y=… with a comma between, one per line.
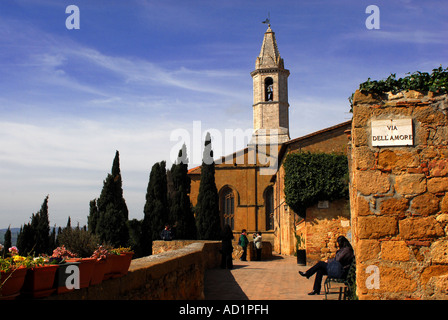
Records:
x=227, y=246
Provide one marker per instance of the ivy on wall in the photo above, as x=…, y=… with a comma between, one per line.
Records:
x=311, y=177
x=437, y=81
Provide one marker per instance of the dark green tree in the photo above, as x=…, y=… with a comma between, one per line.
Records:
x=156, y=207
x=111, y=223
x=53, y=245
x=7, y=242
x=181, y=211
x=34, y=237
x=69, y=223
x=135, y=237
x=26, y=240
x=207, y=208
x=92, y=219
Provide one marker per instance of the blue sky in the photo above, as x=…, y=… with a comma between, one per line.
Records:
x=137, y=70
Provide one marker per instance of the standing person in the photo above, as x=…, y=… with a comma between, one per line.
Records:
x=258, y=244
x=166, y=234
x=227, y=248
x=243, y=242
x=344, y=255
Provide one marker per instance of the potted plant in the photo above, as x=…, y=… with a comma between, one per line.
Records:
x=300, y=249
x=12, y=274
x=123, y=262
x=63, y=258
x=40, y=278
x=86, y=267
x=100, y=255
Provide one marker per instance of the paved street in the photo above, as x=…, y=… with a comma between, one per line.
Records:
x=274, y=279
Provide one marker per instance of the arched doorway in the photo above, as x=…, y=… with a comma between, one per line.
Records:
x=269, y=207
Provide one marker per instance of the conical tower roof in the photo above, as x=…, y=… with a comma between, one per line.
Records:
x=269, y=56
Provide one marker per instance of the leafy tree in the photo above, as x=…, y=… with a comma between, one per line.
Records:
x=207, y=208
x=311, y=177
x=181, y=212
x=79, y=241
x=156, y=207
x=112, y=212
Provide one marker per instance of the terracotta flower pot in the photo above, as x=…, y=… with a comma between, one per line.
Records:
x=98, y=271
x=126, y=262
x=39, y=281
x=12, y=283
x=62, y=276
x=86, y=271
x=114, y=266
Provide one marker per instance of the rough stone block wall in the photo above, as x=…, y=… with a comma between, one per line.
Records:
x=399, y=199
x=323, y=227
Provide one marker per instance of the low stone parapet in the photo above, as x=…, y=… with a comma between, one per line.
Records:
x=172, y=275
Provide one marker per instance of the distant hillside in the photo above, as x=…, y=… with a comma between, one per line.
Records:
x=14, y=233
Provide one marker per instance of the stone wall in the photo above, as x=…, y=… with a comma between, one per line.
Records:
x=324, y=224
x=399, y=198
x=172, y=275
x=266, y=252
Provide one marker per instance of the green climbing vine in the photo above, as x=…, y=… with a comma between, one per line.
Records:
x=311, y=177
x=436, y=81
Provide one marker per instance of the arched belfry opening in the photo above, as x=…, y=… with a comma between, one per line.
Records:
x=269, y=89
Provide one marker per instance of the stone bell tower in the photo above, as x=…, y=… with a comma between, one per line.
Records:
x=270, y=87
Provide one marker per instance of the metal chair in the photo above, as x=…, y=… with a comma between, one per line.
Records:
x=345, y=282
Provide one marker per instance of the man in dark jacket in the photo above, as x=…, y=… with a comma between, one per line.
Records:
x=344, y=256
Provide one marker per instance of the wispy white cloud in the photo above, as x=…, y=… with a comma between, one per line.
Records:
x=397, y=36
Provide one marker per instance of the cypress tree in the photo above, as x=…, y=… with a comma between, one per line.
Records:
x=207, y=208
x=34, y=237
x=112, y=215
x=43, y=229
x=181, y=212
x=7, y=242
x=92, y=219
x=53, y=245
x=135, y=237
x=26, y=240
x=156, y=207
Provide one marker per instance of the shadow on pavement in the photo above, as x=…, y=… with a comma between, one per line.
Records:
x=219, y=284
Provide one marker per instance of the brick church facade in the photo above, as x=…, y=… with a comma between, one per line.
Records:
x=250, y=181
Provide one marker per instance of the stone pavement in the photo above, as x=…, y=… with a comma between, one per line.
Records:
x=273, y=279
